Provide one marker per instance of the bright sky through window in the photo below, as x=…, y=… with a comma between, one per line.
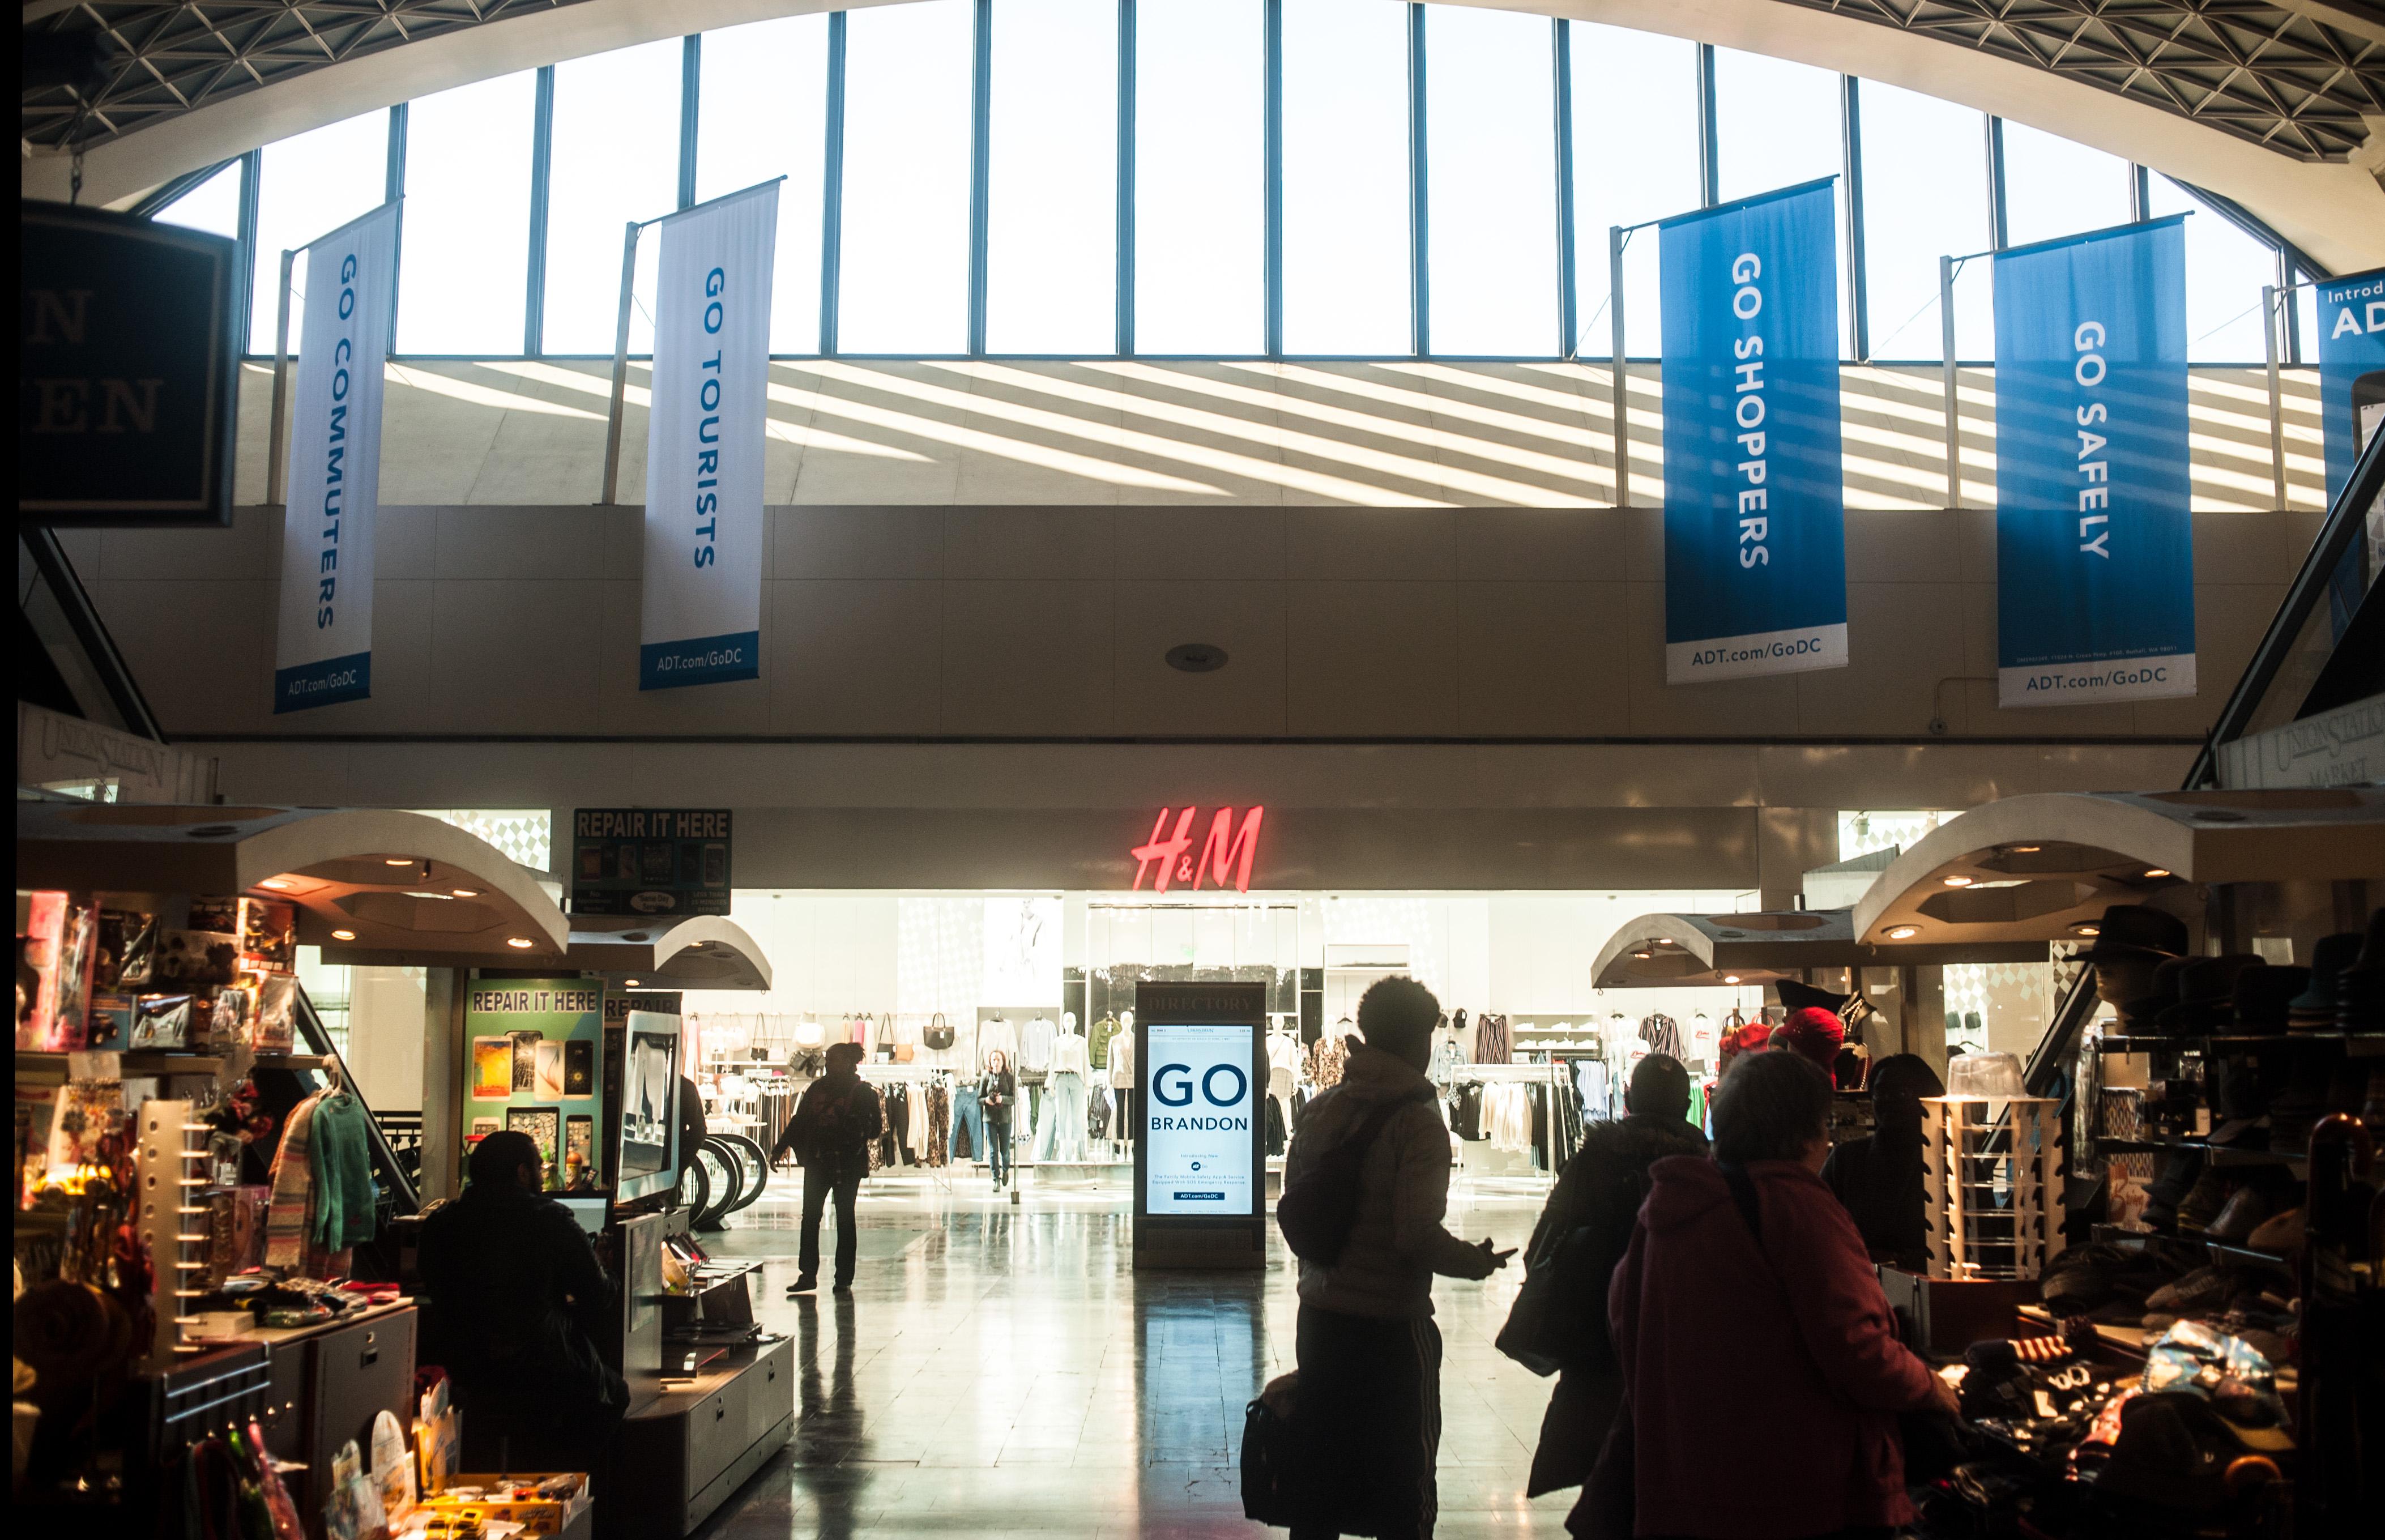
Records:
x=1199, y=187
x=1635, y=157
x=1051, y=252
x=904, y=272
x=1490, y=153
x=213, y=205
x=764, y=97
x=468, y=218
x=1925, y=196
x=615, y=159
x=312, y=184
x=1345, y=177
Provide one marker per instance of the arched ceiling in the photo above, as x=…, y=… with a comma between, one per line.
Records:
x=2270, y=102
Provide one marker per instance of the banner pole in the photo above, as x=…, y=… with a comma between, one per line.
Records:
x=2276, y=403
x=1614, y=237
x=1953, y=404
x=620, y=365
x=274, y=470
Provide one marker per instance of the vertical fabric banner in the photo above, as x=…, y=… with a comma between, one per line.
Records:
x=2095, y=549
x=323, y=651
x=2351, y=370
x=701, y=622
x=1755, y=571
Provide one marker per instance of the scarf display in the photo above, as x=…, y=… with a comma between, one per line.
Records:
x=294, y=1189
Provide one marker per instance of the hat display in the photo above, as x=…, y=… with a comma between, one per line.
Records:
x=2313, y=1009
x=2172, y=1453
x=2264, y=995
x=1812, y=1032
x=1796, y=996
x=2360, y=993
x=2136, y=930
x=2207, y=991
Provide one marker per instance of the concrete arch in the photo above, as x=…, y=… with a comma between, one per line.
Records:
x=2334, y=211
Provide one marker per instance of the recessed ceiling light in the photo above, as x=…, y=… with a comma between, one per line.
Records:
x=1902, y=933
x=1730, y=978
x=344, y=935
x=276, y=884
x=2027, y=849
x=630, y=983
x=466, y=892
x=518, y=943
x=2157, y=871
x=1957, y=881
x=1643, y=954
x=1666, y=940
x=397, y=860
x=2087, y=929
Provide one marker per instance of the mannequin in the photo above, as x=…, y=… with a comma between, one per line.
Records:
x=1123, y=1084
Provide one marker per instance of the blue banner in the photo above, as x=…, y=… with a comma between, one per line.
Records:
x=1755, y=572
x=2094, y=550
x=2351, y=369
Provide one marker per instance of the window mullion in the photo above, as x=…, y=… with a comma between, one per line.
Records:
x=541, y=167
x=691, y=78
x=1859, y=287
x=1124, y=341
x=1420, y=192
x=981, y=170
x=832, y=186
x=1273, y=151
x=1561, y=41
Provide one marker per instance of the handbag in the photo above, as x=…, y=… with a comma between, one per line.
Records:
x=810, y=1034
x=1273, y=1492
x=938, y=1034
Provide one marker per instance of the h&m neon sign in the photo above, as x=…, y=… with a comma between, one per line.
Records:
x=1225, y=857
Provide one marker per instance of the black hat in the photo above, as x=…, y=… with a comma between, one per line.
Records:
x=1796, y=996
x=2262, y=994
x=2135, y=930
x=2205, y=987
x=2173, y=1452
x=2313, y=1009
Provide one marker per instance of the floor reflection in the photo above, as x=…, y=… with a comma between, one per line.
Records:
x=1003, y=1370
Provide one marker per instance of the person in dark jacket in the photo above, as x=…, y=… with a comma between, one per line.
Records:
x=1745, y=1297
x=997, y=1093
x=517, y=1306
x=829, y=1135
x=1588, y=1221
x=1878, y=1178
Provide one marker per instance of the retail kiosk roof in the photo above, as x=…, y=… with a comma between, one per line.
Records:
x=1749, y=950
x=705, y=952
x=2044, y=868
x=375, y=878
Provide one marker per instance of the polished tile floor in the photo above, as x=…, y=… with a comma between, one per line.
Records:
x=1003, y=1370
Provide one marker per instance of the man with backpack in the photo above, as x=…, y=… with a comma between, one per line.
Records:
x=1366, y=1185
x=1583, y=1233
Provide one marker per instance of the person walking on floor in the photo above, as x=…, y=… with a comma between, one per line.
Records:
x=1746, y=1279
x=998, y=1092
x=1583, y=1232
x=829, y=1135
x=1367, y=1413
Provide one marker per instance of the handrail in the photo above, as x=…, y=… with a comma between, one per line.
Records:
x=2308, y=590
x=82, y=618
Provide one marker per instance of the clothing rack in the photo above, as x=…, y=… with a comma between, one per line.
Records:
x=1549, y=1076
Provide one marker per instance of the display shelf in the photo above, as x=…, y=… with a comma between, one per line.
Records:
x=2217, y=1251
x=34, y=1065
x=2219, y=1154
x=2359, y=1043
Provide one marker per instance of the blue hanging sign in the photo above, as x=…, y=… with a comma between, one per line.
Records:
x=2351, y=370
x=1755, y=572
x=2094, y=550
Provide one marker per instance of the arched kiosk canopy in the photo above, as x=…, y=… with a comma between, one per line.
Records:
x=373, y=878
x=1756, y=948
x=703, y=952
x=2044, y=868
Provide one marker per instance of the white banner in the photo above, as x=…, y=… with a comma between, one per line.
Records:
x=701, y=622
x=324, y=651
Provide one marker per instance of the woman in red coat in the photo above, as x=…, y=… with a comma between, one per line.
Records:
x=1748, y=1318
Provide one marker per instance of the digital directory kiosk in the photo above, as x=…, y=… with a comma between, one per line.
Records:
x=1200, y=1161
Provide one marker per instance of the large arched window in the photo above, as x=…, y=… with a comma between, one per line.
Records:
x=1195, y=178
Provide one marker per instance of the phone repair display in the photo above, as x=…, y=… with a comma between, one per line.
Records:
x=648, y=1158
x=533, y=1069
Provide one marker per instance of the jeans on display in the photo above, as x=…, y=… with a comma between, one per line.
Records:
x=997, y=1146
x=1061, y=1135
x=821, y=1182
x=967, y=1118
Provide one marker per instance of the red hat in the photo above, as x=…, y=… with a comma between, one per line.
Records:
x=1813, y=1033
x=1752, y=1036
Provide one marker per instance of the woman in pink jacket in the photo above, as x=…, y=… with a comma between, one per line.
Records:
x=1747, y=1318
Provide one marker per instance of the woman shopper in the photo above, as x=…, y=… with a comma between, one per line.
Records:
x=829, y=1135
x=1878, y=1178
x=998, y=1092
x=1746, y=1280
x=1367, y=1414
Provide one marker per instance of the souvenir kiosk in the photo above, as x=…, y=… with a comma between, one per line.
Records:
x=711, y=1392
x=2216, y=1076
x=163, y=1053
